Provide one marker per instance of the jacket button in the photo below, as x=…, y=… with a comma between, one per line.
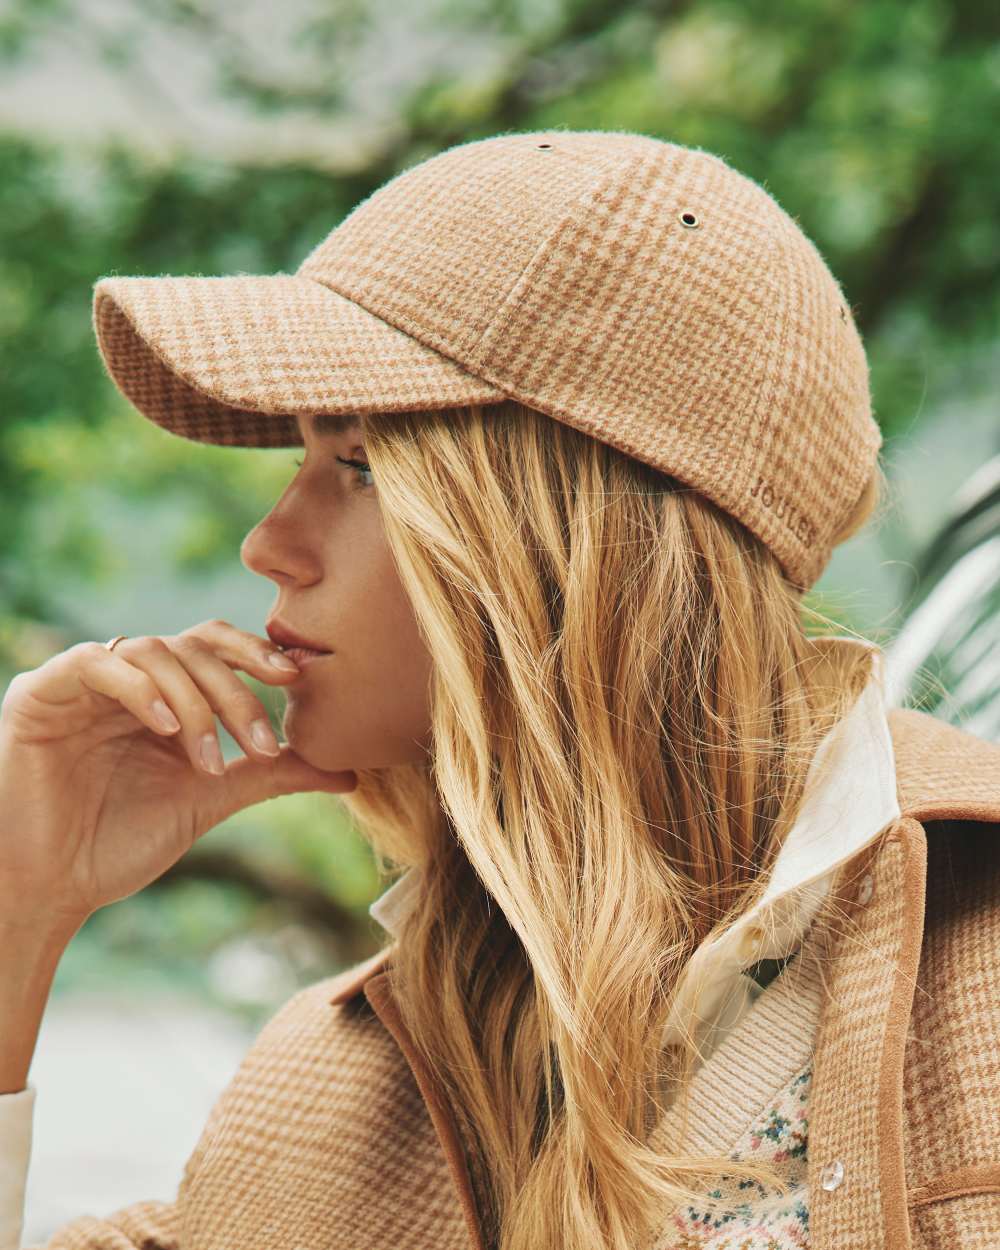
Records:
x=832, y=1175
x=865, y=889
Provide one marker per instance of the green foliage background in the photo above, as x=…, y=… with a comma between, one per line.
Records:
x=875, y=125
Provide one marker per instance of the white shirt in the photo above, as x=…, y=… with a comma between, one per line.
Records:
x=854, y=774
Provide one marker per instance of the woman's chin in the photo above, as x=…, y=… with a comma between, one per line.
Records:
x=307, y=748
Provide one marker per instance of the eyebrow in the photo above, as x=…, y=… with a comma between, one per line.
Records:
x=326, y=425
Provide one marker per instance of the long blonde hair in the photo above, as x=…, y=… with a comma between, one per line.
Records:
x=625, y=703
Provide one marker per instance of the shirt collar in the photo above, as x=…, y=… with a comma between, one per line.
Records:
x=850, y=797
x=389, y=908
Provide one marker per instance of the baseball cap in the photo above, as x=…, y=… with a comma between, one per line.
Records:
x=644, y=292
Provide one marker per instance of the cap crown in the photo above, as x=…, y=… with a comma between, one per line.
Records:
x=558, y=267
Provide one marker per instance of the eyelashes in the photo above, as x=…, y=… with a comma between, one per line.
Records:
x=361, y=466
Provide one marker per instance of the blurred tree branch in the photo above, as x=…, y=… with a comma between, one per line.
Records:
x=307, y=904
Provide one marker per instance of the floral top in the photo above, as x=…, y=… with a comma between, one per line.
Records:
x=749, y=1102
x=763, y=1219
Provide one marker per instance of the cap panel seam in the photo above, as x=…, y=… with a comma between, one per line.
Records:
x=512, y=303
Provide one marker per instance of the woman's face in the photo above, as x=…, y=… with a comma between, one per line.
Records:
x=367, y=705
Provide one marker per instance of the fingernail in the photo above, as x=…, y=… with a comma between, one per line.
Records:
x=262, y=736
x=280, y=660
x=211, y=756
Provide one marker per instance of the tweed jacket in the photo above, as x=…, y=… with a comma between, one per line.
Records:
x=333, y=1132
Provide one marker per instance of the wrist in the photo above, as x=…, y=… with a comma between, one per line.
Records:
x=27, y=969
x=37, y=934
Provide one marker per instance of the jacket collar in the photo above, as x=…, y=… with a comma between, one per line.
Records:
x=943, y=772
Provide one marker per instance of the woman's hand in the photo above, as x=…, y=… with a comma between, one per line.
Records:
x=98, y=797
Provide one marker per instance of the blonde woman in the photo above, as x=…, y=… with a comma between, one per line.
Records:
x=694, y=941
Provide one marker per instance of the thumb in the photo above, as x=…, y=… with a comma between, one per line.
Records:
x=248, y=781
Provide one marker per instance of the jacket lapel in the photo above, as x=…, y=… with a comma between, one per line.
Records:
x=857, y=1170
x=351, y=982
x=371, y=979
x=858, y=1158
x=378, y=993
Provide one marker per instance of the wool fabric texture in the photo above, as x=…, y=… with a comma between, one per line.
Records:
x=643, y=292
x=335, y=1133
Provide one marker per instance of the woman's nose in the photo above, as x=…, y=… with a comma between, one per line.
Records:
x=285, y=544
x=270, y=551
x=248, y=552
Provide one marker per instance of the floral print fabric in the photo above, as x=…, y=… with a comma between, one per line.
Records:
x=760, y=1219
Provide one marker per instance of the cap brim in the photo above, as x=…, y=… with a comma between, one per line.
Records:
x=233, y=360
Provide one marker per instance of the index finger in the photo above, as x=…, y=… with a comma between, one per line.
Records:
x=244, y=651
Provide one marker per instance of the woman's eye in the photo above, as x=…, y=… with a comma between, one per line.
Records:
x=360, y=465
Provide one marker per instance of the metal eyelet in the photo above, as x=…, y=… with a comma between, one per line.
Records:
x=689, y=220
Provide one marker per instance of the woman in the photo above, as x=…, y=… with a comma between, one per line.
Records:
x=584, y=414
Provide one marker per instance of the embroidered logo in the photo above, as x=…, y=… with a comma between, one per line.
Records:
x=786, y=511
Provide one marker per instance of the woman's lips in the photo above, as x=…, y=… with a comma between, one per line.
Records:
x=305, y=655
